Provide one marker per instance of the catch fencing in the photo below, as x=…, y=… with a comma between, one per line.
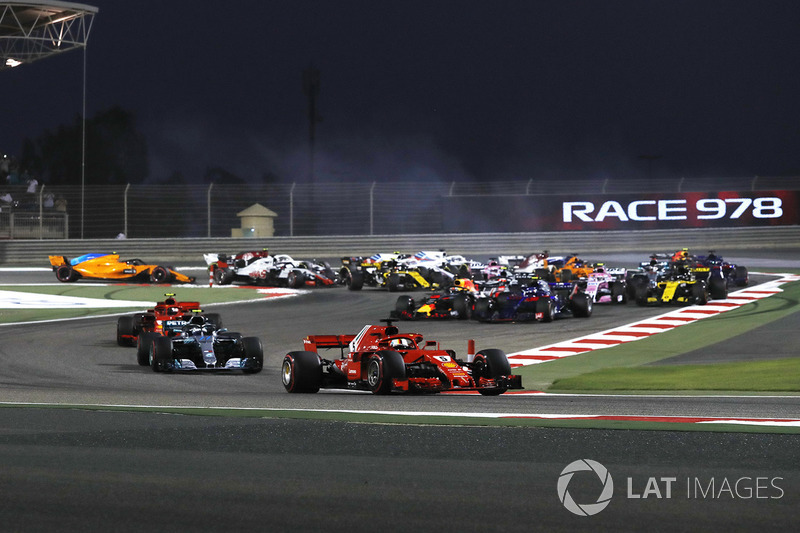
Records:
x=305, y=209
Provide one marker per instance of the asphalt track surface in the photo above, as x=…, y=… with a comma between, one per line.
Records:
x=79, y=470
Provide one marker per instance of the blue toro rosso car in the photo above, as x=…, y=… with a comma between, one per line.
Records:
x=538, y=300
x=734, y=275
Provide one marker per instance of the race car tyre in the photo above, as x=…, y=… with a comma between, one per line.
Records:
x=295, y=280
x=393, y=283
x=543, y=273
x=565, y=275
x=215, y=319
x=740, y=276
x=718, y=288
x=484, y=309
x=547, y=308
x=66, y=274
x=126, y=328
x=619, y=294
x=161, y=354
x=581, y=305
x=699, y=294
x=222, y=276
x=356, y=280
x=462, y=306
x=640, y=294
x=382, y=369
x=160, y=275
x=404, y=306
x=144, y=343
x=491, y=364
x=301, y=372
x=254, y=355
x=634, y=282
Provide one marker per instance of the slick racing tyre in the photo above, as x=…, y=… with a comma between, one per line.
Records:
x=214, y=318
x=491, y=364
x=619, y=294
x=462, y=306
x=253, y=355
x=144, y=344
x=66, y=274
x=126, y=328
x=160, y=275
x=161, y=354
x=295, y=280
x=382, y=369
x=699, y=294
x=222, y=276
x=354, y=280
x=718, y=288
x=484, y=309
x=301, y=372
x=393, y=283
x=404, y=307
x=547, y=307
x=581, y=305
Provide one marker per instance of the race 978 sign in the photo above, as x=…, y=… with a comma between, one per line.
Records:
x=681, y=210
x=626, y=211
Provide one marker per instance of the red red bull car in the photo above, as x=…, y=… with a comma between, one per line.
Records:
x=382, y=360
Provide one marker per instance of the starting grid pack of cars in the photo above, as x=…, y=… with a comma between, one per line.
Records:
x=179, y=336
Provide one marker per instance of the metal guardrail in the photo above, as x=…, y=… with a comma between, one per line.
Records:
x=189, y=251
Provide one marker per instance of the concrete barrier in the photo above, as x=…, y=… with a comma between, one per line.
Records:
x=189, y=251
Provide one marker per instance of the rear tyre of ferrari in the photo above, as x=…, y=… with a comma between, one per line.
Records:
x=491, y=364
x=125, y=330
x=254, y=353
x=66, y=274
x=159, y=275
x=382, y=369
x=301, y=372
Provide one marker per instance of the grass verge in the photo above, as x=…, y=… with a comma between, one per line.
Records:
x=607, y=369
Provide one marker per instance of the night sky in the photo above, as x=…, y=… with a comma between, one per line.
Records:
x=448, y=90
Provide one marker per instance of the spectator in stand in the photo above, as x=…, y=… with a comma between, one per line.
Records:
x=49, y=201
x=6, y=199
x=32, y=183
x=61, y=203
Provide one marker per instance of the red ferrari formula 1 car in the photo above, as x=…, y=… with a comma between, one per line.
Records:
x=380, y=359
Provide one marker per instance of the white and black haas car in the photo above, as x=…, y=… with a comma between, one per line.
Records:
x=202, y=346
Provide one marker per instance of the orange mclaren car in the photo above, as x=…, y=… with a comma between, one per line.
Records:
x=111, y=267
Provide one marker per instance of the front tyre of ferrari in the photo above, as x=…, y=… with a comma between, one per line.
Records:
x=159, y=274
x=491, y=364
x=254, y=354
x=301, y=372
x=382, y=369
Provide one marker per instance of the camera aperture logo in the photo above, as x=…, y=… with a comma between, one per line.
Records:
x=585, y=509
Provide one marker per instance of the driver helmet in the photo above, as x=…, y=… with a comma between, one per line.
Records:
x=208, y=329
x=401, y=343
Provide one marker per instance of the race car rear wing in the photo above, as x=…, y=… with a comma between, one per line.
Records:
x=314, y=342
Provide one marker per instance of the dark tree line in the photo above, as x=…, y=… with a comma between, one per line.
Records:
x=116, y=153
